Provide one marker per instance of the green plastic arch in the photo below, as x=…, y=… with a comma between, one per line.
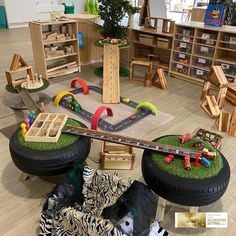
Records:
x=147, y=104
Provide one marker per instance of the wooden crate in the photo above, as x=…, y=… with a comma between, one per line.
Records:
x=163, y=43
x=46, y=128
x=146, y=39
x=116, y=156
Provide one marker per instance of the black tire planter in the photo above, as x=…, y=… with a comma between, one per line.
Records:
x=184, y=191
x=47, y=163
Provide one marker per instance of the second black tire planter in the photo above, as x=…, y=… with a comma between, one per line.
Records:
x=185, y=191
x=46, y=163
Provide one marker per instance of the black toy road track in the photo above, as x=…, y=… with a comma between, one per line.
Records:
x=104, y=125
x=139, y=143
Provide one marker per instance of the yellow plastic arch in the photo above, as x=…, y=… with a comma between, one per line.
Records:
x=147, y=104
x=61, y=95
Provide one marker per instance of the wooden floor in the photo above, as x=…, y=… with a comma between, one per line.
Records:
x=20, y=202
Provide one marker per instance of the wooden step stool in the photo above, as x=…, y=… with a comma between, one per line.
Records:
x=117, y=157
x=147, y=64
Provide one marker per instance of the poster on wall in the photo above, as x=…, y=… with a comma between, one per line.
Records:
x=215, y=15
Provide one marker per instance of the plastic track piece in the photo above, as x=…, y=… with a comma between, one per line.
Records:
x=147, y=104
x=82, y=83
x=61, y=95
x=97, y=114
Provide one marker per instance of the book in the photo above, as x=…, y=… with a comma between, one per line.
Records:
x=215, y=15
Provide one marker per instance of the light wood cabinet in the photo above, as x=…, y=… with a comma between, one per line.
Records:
x=151, y=45
x=196, y=48
x=55, y=47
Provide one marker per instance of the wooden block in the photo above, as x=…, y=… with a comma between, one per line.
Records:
x=232, y=127
x=14, y=62
x=111, y=80
x=217, y=77
x=221, y=97
x=223, y=122
x=23, y=176
x=116, y=156
x=205, y=91
x=159, y=79
x=161, y=206
x=210, y=106
x=147, y=64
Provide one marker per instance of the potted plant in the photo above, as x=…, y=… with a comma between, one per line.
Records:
x=91, y=7
x=112, y=12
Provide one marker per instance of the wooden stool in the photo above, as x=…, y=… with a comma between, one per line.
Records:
x=161, y=205
x=147, y=64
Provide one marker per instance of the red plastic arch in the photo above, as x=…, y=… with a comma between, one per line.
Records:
x=97, y=114
x=82, y=83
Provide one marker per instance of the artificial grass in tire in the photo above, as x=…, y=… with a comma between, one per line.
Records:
x=51, y=162
x=185, y=191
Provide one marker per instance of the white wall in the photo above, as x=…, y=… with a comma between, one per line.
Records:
x=2, y=2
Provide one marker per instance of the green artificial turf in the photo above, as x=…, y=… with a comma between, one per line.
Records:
x=124, y=72
x=12, y=90
x=176, y=166
x=64, y=140
x=121, y=46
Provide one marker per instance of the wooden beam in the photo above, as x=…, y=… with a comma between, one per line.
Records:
x=210, y=106
x=232, y=128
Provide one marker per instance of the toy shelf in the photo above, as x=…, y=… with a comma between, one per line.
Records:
x=148, y=45
x=55, y=46
x=205, y=47
x=46, y=128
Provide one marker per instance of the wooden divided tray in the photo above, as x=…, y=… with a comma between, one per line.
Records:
x=46, y=128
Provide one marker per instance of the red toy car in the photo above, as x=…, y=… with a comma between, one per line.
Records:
x=187, y=165
x=169, y=159
x=185, y=137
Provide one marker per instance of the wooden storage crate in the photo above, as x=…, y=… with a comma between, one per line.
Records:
x=116, y=156
x=46, y=128
x=164, y=43
x=147, y=39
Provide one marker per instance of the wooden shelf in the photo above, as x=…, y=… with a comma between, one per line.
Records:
x=228, y=60
x=214, y=40
x=59, y=41
x=227, y=42
x=59, y=57
x=205, y=45
x=181, y=63
x=146, y=44
x=181, y=41
x=184, y=35
x=42, y=63
x=227, y=49
x=201, y=68
x=197, y=55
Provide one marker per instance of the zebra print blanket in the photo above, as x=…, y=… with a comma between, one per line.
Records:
x=87, y=203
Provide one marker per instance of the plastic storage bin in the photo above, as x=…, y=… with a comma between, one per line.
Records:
x=204, y=51
x=186, y=39
x=227, y=68
x=185, y=31
x=69, y=9
x=199, y=74
x=180, y=68
x=183, y=47
x=3, y=19
x=202, y=62
x=181, y=57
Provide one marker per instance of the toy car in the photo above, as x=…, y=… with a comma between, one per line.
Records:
x=126, y=100
x=187, y=165
x=169, y=159
x=209, y=155
x=133, y=117
x=198, y=144
x=205, y=162
x=185, y=137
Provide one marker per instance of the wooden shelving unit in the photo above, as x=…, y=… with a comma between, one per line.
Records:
x=200, y=48
x=151, y=45
x=55, y=47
